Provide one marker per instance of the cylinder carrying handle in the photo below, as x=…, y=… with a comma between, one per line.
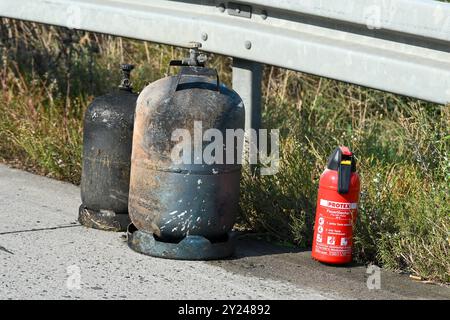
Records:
x=196, y=71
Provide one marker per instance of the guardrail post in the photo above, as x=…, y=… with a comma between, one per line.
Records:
x=247, y=76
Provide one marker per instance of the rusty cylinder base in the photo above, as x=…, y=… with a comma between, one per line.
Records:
x=106, y=220
x=192, y=247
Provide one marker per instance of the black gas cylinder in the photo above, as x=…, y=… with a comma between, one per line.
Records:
x=107, y=140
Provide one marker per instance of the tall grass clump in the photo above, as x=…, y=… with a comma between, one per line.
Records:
x=49, y=75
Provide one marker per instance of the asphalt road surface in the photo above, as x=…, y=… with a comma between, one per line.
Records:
x=46, y=254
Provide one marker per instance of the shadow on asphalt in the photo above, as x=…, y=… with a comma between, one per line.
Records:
x=249, y=245
x=257, y=257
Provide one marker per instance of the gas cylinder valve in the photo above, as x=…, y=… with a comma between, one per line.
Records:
x=126, y=71
x=196, y=59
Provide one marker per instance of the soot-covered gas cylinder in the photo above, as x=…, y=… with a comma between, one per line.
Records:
x=108, y=133
x=182, y=204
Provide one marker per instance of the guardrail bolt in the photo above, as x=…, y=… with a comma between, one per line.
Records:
x=247, y=44
x=204, y=36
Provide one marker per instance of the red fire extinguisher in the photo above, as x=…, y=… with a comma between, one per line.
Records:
x=337, y=204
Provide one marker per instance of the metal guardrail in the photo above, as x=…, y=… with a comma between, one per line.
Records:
x=400, y=46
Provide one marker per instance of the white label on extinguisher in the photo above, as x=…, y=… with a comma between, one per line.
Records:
x=338, y=205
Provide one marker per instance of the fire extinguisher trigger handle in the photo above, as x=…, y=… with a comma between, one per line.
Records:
x=344, y=176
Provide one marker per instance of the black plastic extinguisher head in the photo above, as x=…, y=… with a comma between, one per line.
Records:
x=344, y=162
